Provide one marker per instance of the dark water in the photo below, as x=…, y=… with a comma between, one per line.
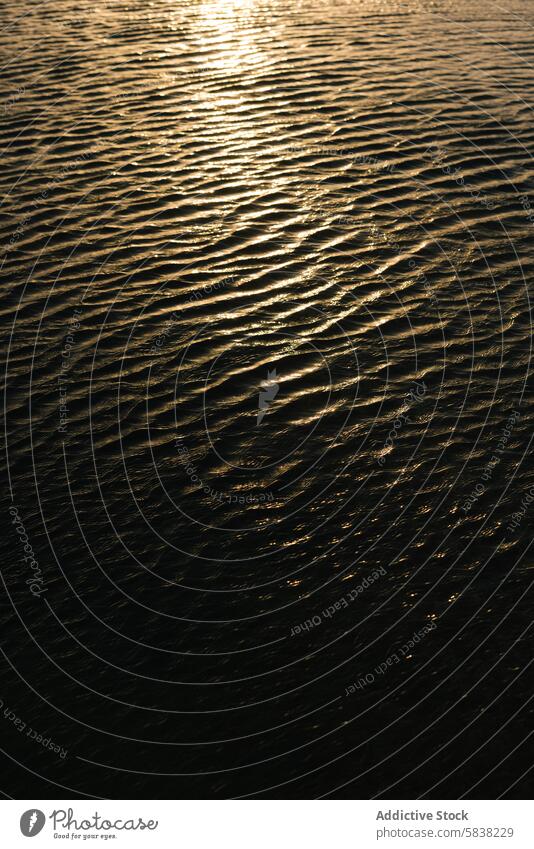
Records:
x=266, y=270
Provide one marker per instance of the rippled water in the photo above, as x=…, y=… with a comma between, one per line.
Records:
x=266, y=271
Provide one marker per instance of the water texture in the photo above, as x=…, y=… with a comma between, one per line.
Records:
x=266, y=276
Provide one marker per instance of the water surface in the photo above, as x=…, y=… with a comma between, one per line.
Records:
x=266, y=271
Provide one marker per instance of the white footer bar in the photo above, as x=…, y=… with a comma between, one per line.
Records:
x=268, y=824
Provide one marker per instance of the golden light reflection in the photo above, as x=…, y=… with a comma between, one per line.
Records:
x=229, y=38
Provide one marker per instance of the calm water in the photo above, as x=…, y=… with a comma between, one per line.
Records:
x=266, y=271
